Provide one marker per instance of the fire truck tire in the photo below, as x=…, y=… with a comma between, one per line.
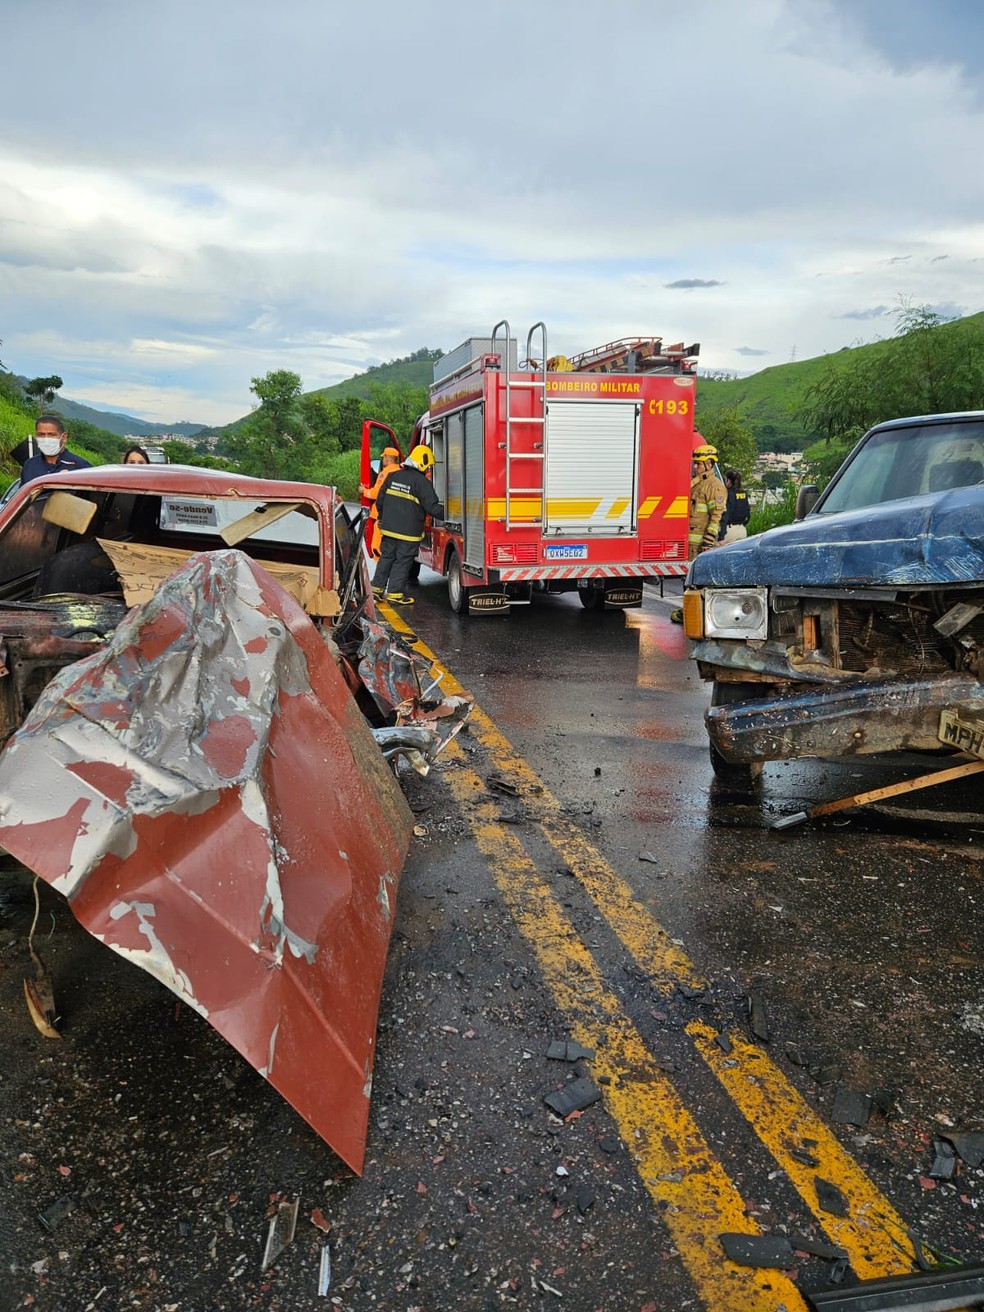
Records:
x=457, y=592
x=738, y=774
x=592, y=598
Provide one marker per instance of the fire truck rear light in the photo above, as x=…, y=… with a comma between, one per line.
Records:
x=662, y=550
x=515, y=553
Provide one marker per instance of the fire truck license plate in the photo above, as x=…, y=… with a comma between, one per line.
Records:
x=568, y=551
x=963, y=732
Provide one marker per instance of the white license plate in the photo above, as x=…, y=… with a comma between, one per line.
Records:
x=963, y=732
x=569, y=551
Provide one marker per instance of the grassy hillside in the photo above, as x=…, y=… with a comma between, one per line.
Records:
x=399, y=373
x=769, y=400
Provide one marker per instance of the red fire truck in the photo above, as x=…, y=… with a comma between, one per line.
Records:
x=556, y=474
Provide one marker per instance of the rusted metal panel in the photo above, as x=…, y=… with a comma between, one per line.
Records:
x=870, y=716
x=206, y=793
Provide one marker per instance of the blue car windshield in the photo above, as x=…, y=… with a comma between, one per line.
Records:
x=909, y=462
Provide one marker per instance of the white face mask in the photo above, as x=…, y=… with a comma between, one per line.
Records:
x=49, y=446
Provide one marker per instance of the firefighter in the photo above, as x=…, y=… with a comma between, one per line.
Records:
x=390, y=463
x=404, y=501
x=708, y=500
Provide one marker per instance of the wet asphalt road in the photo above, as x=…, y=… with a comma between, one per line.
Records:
x=601, y=888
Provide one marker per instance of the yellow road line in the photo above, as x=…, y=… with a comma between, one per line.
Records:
x=696, y=1199
x=665, y=962
x=780, y=1114
x=784, y=1122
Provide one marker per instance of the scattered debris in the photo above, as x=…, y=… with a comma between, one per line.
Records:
x=759, y=1250
x=830, y=1198
x=816, y=1247
x=319, y=1219
x=851, y=1108
x=944, y=1160
x=498, y=784
x=648, y=856
x=568, y=1050
x=585, y=1199
x=54, y=1215
x=39, y=992
x=954, y=1287
x=281, y=1232
x=758, y=1016
x=969, y=1146
x=324, y=1272
x=574, y=1097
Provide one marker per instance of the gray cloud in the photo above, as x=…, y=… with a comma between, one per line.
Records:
x=750, y=350
x=267, y=211
x=875, y=312
x=687, y=284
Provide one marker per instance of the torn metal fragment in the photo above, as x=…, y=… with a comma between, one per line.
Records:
x=585, y=1199
x=281, y=1232
x=574, y=1097
x=830, y=1198
x=759, y=1250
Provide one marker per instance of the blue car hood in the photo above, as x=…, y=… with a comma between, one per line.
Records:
x=926, y=540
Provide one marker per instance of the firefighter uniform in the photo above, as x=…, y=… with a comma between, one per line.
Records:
x=708, y=499
x=404, y=502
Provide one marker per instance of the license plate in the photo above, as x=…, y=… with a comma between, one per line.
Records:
x=569, y=551
x=963, y=732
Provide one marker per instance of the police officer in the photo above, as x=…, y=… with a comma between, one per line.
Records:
x=739, y=508
x=404, y=501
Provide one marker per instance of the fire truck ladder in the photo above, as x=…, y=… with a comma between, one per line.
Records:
x=538, y=386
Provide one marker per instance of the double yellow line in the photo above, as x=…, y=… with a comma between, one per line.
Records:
x=696, y=1199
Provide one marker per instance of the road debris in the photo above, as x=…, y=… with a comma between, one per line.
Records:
x=759, y=1250
x=568, y=1050
x=574, y=1097
x=283, y=1223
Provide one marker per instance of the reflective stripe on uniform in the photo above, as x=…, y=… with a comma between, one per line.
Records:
x=407, y=496
x=403, y=537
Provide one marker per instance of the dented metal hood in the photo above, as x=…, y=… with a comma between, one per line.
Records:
x=208, y=797
x=936, y=539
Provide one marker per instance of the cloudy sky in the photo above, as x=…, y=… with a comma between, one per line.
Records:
x=193, y=192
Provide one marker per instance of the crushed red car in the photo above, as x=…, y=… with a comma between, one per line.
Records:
x=198, y=705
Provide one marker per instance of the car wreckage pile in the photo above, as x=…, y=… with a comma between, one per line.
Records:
x=199, y=713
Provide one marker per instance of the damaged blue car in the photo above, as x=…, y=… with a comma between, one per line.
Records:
x=860, y=627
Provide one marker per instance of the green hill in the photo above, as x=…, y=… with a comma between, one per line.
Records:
x=769, y=401
x=112, y=421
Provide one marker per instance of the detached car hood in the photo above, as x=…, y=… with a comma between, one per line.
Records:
x=934, y=539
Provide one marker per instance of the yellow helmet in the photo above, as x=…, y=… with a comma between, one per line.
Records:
x=705, y=452
x=422, y=457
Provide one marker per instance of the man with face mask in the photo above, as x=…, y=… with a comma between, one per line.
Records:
x=51, y=455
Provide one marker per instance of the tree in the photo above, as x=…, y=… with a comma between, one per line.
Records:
x=272, y=442
x=734, y=440
x=42, y=390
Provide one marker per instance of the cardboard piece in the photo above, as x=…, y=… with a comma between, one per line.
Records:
x=142, y=569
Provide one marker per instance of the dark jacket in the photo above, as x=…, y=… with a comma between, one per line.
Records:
x=739, y=507
x=404, y=502
x=38, y=466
